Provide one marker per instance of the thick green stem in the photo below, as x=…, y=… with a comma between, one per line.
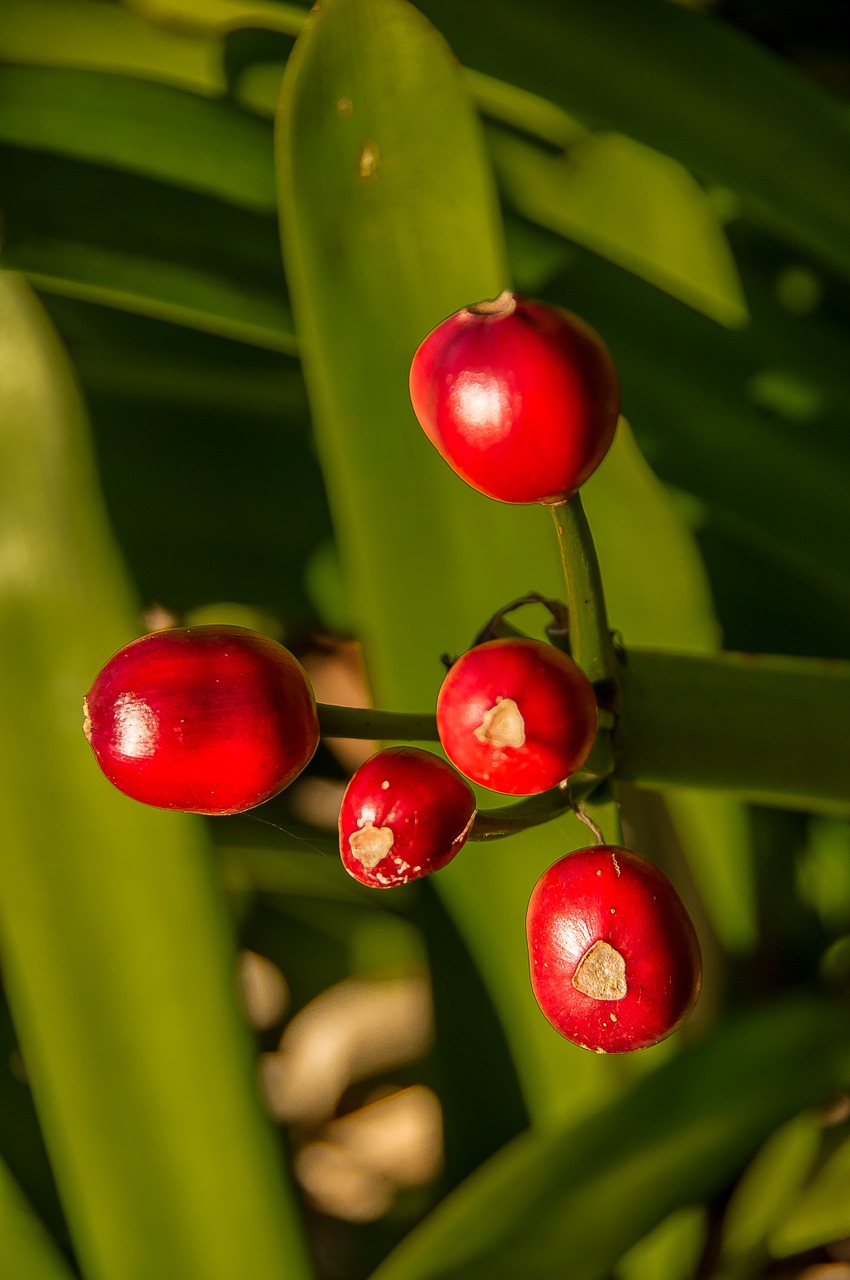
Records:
x=593, y=650
x=383, y=726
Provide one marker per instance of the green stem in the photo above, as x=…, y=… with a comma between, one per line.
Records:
x=383, y=726
x=593, y=649
x=494, y=824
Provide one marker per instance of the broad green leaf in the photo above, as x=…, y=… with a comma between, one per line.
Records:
x=117, y=952
x=389, y=223
x=153, y=130
x=686, y=84
x=766, y=729
x=574, y=1200
x=765, y=1194
x=26, y=1248
x=88, y=34
x=822, y=1213
x=633, y=206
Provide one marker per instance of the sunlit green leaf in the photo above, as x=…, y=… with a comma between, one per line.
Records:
x=632, y=205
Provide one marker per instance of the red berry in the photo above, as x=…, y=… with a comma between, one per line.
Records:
x=516, y=715
x=405, y=813
x=521, y=398
x=615, y=961
x=203, y=719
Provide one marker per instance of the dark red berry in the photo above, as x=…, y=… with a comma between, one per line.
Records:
x=202, y=719
x=521, y=398
x=516, y=715
x=405, y=813
x=615, y=961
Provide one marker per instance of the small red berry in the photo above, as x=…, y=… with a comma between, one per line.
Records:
x=615, y=961
x=203, y=719
x=405, y=813
x=521, y=398
x=516, y=715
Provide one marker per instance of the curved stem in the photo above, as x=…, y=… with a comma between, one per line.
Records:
x=593, y=649
x=383, y=726
x=495, y=824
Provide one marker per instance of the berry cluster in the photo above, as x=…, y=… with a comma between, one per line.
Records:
x=522, y=400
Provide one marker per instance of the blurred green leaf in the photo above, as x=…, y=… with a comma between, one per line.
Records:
x=822, y=1212
x=90, y=35
x=579, y=1197
x=153, y=130
x=629, y=204
x=26, y=1249
x=768, y=1188
x=687, y=85
x=173, y=255
x=116, y=949
x=670, y=1252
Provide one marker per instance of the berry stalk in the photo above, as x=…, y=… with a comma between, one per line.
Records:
x=593, y=649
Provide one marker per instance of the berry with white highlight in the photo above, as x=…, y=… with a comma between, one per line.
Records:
x=516, y=715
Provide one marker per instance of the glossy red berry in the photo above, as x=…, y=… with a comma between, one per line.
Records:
x=405, y=813
x=615, y=961
x=521, y=398
x=203, y=719
x=516, y=715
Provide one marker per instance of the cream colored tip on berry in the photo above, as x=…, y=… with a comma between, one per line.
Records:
x=601, y=973
x=502, y=726
x=371, y=844
x=504, y=305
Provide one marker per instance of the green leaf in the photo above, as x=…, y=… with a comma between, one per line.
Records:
x=104, y=37
x=670, y=1252
x=770, y=1185
x=685, y=84
x=26, y=1248
x=389, y=223
x=153, y=130
x=633, y=206
x=174, y=255
x=117, y=952
x=766, y=729
x=588, y=1192
x=822, y=1213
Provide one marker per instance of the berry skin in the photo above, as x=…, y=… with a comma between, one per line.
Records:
x=521, y=398
x=615, y=961
x=517, y=716
x=405, y=813
x=203, y=719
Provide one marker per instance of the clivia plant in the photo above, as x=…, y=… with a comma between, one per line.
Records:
x=262, y=243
